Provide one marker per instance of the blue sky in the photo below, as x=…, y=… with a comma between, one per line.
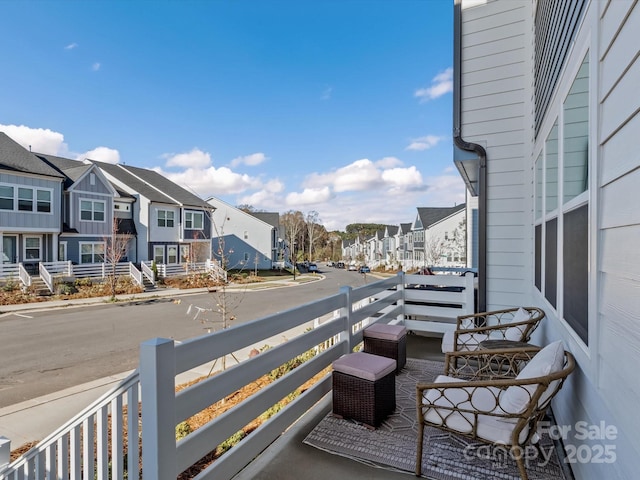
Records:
x=340, y=107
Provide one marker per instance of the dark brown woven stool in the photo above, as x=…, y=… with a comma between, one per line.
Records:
x=387, y=341
x=364, y=388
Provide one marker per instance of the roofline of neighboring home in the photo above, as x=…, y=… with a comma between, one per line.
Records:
x=241, y=211
x=480, y=152
x=123, y=167
x=95, y=169
x=456, y=212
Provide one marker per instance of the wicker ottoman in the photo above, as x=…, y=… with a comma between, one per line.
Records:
x=364, y=388
x=387, y=341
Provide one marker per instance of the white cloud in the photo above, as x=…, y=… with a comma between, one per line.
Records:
x=40, y=140
x=389, y=162
x=195, y=159
x=359, y=175
x=212, y=181
x=402, y=179
x=250, y=160
x=71, y=46
x=101, y=154
x=96, y=66
x=309, y=196
x=424, y=143
x=441, y=84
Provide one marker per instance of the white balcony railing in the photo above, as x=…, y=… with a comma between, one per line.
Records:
x=331, y=327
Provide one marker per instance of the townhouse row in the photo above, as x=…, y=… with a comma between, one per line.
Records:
x=54, y=209
x=437, y=237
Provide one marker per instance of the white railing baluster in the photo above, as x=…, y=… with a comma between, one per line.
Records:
x=133, y=433
x=117, y=445
x=88, y=458
x=63, y=457
x=75, y=453
x=102, y=443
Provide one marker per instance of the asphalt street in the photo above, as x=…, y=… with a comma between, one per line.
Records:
x=50, y=349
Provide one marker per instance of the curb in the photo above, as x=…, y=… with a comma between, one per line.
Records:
x=162, y=293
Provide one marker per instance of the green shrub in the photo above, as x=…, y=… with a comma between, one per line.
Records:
x=291, y=364
x=230, y=442
x=11, y=286
x=182, y=430
x=66, y=289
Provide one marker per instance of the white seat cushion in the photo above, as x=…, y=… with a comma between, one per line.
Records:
x=516, y=333
x=480, y=399
x=547, y=361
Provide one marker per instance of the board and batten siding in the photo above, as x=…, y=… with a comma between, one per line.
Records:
x=93, y=228
x=16, y=221
x=495, y=98
x=98, y=186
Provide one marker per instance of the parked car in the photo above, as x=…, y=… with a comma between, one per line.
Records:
x=312, y=268
x=352, y=268
x=364, y=269
x=339, y=265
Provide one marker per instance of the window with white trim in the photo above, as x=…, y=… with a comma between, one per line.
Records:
x=33, y=248
x=166, y=218
x=92, y=252
x=561, y=206
x=6, y=197
x=26, y=199
x=92, y=210
x=193, y=220
x=62, y=251
x=172, y=254
x=158, y=254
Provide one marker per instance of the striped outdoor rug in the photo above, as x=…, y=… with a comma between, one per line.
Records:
x=445, y=457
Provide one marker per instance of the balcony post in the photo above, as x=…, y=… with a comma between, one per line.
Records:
x=346, y=335
x=400, y=287
x=5, y=451
x=157, y=382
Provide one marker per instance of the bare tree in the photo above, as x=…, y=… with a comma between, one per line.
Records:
x=457, y=244
x=434, y=248
x=224, y=302
x=293, y=223
x=312, y=220
x=117, y=245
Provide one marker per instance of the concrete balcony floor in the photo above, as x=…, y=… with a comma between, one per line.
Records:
x=290, y=459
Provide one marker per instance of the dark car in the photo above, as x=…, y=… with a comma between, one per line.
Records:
x=312, y=268
x=364, y=269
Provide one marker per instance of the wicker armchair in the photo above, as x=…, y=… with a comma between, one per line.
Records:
x=515, y=324
x=494, y=406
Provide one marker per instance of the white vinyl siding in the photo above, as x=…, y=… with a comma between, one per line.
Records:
x=496, y=56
